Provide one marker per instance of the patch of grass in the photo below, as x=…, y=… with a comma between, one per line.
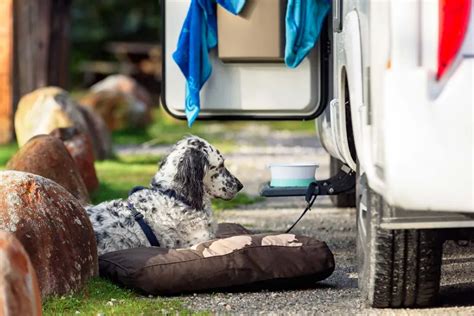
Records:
x=164, y=130
x=239, y=199
x=141, y=159
x=6, y=152
x=297, y=126
x=102, y=297
x=118, y=177
x=167, y=130
x=131, y=136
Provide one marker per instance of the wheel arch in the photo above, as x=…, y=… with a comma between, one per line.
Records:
x=350, y=89
x=346, y=101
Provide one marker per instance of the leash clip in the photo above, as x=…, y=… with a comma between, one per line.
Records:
x=313, y=189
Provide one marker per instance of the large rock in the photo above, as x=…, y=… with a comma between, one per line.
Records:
x=120, y=101
x=124, y=84
x=19, y=291
x=46, y=109
x=47, y=156
x=100, y=134
x=53, y=228
x=79, y=146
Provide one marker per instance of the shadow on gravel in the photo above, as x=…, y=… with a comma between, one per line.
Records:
x=461, y=294
x=457, y=275
x=341, y=278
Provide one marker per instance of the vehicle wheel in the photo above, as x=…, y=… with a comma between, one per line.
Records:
x=344, y=199
x=397, y=268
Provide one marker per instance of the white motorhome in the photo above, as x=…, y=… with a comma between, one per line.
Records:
x=390, y=87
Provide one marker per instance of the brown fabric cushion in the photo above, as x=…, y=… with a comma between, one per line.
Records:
x=231, y=229
x=246, y=260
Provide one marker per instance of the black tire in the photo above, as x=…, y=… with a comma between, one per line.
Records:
x=344, y=199
x=397, y=268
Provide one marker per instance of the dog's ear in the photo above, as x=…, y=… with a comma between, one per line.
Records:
x=190, y=175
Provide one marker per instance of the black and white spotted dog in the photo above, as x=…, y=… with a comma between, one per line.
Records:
x=177, y=206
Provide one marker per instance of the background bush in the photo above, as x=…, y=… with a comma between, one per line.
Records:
x=94, y=23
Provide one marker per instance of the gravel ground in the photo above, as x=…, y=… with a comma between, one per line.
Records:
x=339, y=293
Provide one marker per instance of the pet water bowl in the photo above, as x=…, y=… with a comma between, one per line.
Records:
x=292, y=174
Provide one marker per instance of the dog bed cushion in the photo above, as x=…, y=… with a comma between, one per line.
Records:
x=242, y=261
x=231, y=229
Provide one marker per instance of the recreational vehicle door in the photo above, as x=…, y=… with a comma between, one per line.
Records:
x=249, y=78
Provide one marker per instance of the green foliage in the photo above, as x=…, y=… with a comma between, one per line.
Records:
x=140, y=159
x=99, y=21
x=239, y=200
x=94, y=23
x=103, y=297
x=6, y=152
x=293, y=126
x=117, y=177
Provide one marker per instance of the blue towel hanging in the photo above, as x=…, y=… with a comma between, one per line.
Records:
x=304, y=20
x=198, y=36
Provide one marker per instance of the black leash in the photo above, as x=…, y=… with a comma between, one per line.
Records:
x=139, y=219
x=139, y=216
x=310, y=197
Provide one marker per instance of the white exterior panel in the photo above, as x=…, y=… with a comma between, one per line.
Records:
x=429, y=143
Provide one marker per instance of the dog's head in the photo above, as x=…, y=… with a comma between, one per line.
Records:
x=197, y=169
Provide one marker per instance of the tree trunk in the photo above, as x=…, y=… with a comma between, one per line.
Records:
x=42, y=43
x=6, y=71
x=34, y=52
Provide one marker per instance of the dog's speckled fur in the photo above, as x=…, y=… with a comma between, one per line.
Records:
x=177, y=206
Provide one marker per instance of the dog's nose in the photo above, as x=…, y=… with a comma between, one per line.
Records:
x=239, y=185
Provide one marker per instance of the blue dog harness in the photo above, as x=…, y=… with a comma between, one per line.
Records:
x=139, y=219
